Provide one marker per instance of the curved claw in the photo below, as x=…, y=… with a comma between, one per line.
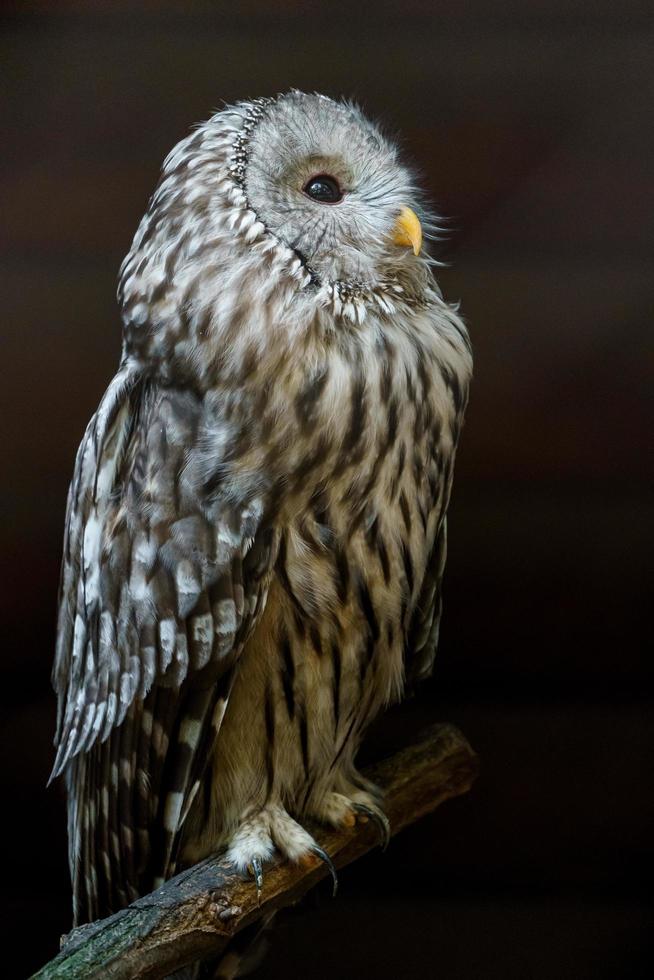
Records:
x=381, y=822
x=324, y=856
x=256, y=870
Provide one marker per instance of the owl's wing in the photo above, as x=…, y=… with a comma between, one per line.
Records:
x=162, y=579
x=422, y=639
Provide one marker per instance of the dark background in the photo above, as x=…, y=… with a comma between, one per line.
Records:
x=532, y=123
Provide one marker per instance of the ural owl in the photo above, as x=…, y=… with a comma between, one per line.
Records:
x=255, y=534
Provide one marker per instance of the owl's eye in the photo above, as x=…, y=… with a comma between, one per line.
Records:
x=323, y=188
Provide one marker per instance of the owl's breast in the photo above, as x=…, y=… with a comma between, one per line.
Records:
x=375, y=445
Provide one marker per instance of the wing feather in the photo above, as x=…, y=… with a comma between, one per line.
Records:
x=159, y=583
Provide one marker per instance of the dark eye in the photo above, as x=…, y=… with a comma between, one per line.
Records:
x=323, y=188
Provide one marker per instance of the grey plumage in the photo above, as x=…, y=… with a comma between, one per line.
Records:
x=255, y=534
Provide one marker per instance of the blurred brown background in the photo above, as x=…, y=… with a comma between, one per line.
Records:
x=531, y=120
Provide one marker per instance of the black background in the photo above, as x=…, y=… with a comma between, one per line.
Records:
x=531, y=122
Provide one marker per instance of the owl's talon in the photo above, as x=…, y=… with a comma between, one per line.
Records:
x=324, y=856
x=256, y=870
x=380, y=820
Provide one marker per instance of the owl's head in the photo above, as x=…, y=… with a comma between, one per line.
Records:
x=324, y=181
x=298, y=196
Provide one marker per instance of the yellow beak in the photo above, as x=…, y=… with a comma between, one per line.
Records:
x=407, y=230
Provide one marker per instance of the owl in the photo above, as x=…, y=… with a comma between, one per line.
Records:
x=256, y=526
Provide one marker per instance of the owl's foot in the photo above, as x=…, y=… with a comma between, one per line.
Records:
x=340, y=811
x=272, y=829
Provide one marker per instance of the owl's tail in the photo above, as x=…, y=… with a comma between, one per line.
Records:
x=99, y=866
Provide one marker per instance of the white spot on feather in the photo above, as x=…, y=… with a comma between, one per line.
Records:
x=225, y=617
x=172, y=811
x=189, y=732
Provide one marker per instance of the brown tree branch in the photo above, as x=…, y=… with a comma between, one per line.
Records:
x=194, y=915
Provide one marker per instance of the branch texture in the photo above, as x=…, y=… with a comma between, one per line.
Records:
x=194, y=915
